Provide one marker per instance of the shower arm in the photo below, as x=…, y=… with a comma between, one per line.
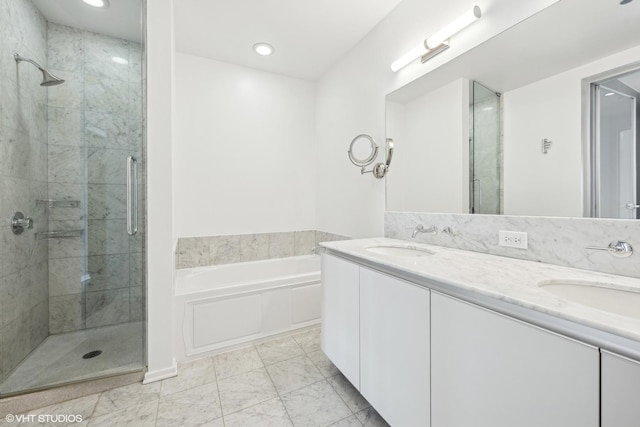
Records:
x=19, y=58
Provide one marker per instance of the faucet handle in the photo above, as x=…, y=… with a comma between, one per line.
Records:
x=616, y=248
x=420, y=229
x=19, y=223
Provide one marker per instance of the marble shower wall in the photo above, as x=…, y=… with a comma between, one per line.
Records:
x=228, y=249
x=485, y=119
x=95, y=122
x=24, y=309
x=559, y=241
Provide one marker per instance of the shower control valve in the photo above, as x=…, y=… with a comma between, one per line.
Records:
x=19, y=223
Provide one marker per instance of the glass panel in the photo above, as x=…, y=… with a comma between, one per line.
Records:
x=485, y=151
x=616, y=154
x=73, y=285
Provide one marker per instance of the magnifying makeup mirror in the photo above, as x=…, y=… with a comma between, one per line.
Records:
x=363, y=151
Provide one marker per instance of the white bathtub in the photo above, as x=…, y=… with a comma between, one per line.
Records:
x=223, y=306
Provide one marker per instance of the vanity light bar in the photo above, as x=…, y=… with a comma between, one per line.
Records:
x=438, y=42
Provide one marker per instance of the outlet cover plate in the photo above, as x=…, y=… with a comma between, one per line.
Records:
x=513, y=239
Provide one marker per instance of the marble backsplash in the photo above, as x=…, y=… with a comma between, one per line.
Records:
x=559, y=241
x=228, y=249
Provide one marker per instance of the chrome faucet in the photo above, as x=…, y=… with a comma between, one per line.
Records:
x=420, y=229
x=616, y=248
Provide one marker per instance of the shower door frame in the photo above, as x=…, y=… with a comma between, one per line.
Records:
x=597, y=149
x=590, y=155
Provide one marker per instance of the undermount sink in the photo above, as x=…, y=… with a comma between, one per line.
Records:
x=607, y=297
x=399, y=250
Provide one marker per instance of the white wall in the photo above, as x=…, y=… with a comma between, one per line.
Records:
x=244, y=150
x=431, y=164
x=351, y=100
x=160, y=240
x=551, y=184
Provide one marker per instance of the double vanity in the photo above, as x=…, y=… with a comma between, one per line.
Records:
x=434, y=336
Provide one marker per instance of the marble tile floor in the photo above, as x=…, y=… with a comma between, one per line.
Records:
x=58, y=359
x=287, y=381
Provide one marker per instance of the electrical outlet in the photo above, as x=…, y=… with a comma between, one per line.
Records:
x=513, y=239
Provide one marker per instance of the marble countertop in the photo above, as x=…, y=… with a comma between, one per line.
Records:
x=506, y=279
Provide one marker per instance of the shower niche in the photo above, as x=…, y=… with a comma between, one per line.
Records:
x=73, y=284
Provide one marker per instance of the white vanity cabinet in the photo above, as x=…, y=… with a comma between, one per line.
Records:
x=341, y=315
x=491, y=370
x=620, y=391
x=375, y=329
x=394, y=348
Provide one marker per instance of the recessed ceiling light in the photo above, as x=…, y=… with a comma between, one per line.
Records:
x=264, y=49
x=97, y=3
x=119, y=60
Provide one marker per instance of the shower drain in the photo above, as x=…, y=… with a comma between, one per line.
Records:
x=92, y=354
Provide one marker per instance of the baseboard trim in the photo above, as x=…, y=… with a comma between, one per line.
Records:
x=161, y=374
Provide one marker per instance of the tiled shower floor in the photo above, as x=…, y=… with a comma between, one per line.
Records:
x=283, y=382
x=59, y=358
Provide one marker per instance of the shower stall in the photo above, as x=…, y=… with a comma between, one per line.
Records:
x=485, y=151
x=72, y=157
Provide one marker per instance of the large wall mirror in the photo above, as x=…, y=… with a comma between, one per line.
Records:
x=541, y=120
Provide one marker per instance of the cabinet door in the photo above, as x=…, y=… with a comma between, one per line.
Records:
x=488, y=370
x=340, y=315
x=620, y=391
x=394, y=348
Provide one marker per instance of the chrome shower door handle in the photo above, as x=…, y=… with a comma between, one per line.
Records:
x=632, y=206
x=132, y=195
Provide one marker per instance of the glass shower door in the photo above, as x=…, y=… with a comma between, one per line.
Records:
x=485, y=151
x=71, y=287
x=616, y=173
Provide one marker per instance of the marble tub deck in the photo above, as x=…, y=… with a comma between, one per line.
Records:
x=287, y=381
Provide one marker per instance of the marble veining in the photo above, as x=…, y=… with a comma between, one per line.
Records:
x=506, y=279
x=308, y=340
x=267, y=414
x=200, y=399
x=237, y=362
x=559, y=241
x=190, y=375
x=245, y=390
x=123, y=397
x=227, y=249
x=348, y=393
x=191, y=407
x=293, y=374
x=280, y=349
x=23, y=172
x=90, y=134
x=316, y=405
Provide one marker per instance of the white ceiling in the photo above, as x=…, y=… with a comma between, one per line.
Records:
x=308, y=36
x=122, y=19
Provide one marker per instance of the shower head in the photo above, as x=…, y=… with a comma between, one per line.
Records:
x=48, y=79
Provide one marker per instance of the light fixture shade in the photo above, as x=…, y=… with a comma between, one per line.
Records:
x=97, y=3
x=454, y=27
x=408, y=57
x=438, y=42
